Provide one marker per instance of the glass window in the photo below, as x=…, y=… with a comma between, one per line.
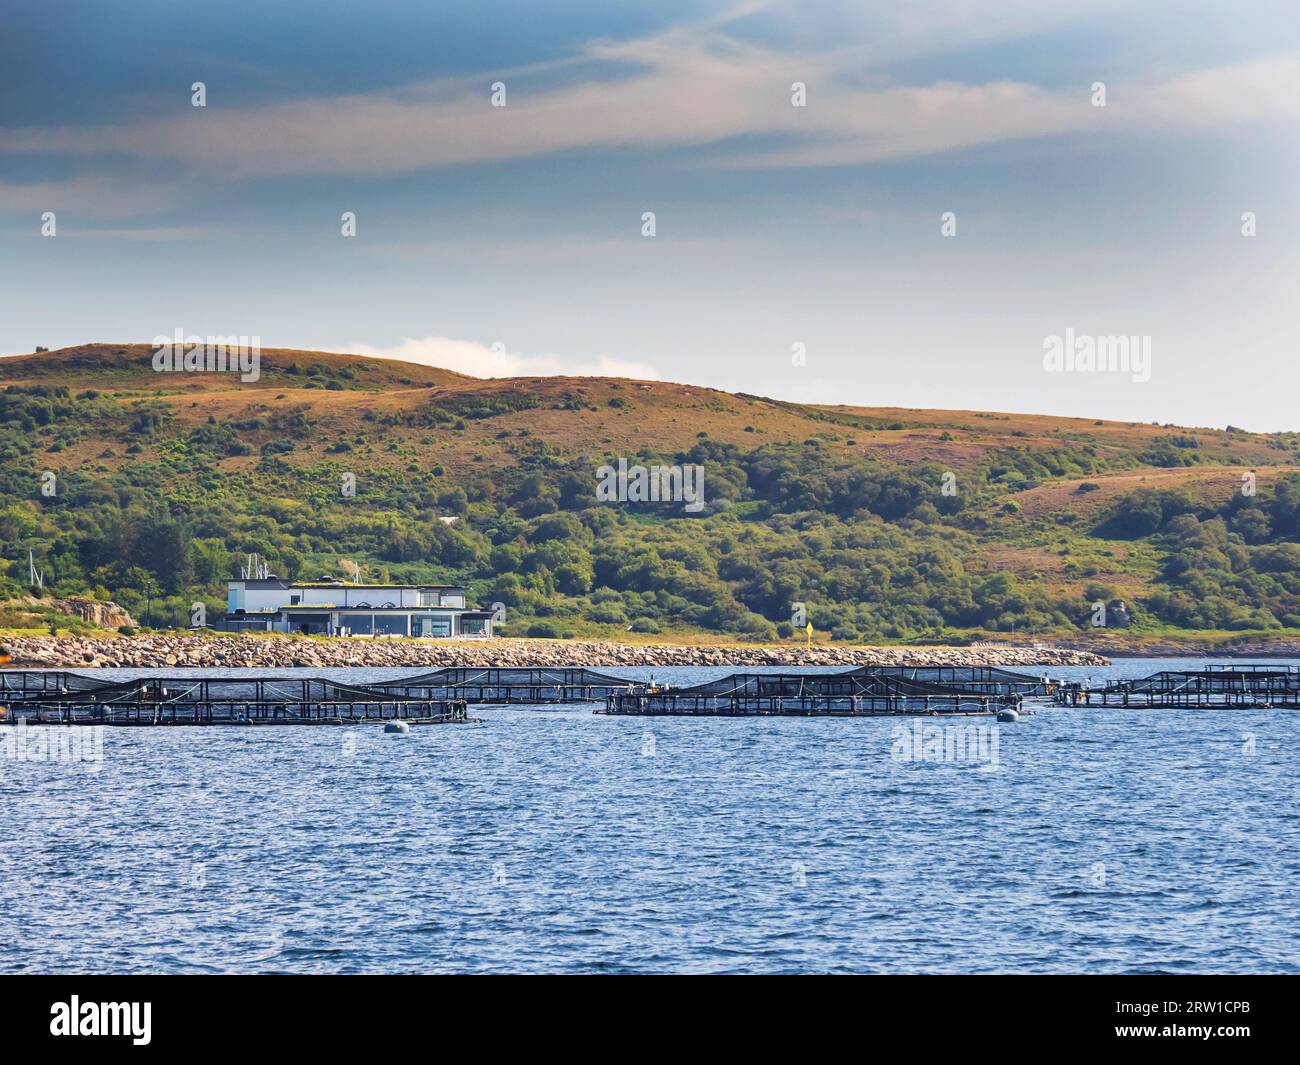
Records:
x=433, y=626
x=390, y=624
x=357, y=624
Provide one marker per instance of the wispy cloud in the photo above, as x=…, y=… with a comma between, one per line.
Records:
x=701, y=86
x=144, y=234
x=486, y=360
x=89, y=196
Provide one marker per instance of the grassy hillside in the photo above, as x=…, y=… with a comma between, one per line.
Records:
x=164, y=480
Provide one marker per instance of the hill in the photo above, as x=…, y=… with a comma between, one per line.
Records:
x=884, y=523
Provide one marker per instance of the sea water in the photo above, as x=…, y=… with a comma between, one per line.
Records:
x=549, y=839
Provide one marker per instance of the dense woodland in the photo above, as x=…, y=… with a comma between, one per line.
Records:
x=159, y=519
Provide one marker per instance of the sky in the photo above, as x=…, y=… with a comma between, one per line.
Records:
x=502, y=240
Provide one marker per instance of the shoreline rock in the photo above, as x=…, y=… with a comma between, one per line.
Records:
x=161, y=651
x=106, y=614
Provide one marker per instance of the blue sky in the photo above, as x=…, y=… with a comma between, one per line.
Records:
x=521, y=226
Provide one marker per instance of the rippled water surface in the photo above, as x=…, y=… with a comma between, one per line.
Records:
x=550, y=839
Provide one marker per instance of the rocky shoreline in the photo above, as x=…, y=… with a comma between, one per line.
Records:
x=1250, y=647
x=166, y=651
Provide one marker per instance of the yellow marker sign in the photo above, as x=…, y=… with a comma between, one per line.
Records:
x=810, y=634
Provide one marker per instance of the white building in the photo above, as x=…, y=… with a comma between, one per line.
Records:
x=337, y=608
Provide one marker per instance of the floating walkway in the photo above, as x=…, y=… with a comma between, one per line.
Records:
x=510, y=685
x=224, y=701
x=443, y=695
x=569, y=684
x=857, y=693
x=1211, y=688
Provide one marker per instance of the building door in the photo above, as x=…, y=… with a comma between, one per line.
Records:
x=435, y=626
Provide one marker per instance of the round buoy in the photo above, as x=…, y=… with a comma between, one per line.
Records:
x=397, y=726
x=1009, y=715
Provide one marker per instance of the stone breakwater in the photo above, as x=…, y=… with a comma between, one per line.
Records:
x=165, y=651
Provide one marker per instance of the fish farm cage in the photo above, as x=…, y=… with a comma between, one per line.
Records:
x=852, y=694
x=579, y=685
x=510, y=685
x=226, y=701
x=988, y=679
x=19, y=684
x=1211, y=688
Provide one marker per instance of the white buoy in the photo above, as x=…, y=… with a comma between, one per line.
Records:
x=1008, y=715
x=397, y=726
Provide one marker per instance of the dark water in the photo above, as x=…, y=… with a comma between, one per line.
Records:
x=555, y=840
